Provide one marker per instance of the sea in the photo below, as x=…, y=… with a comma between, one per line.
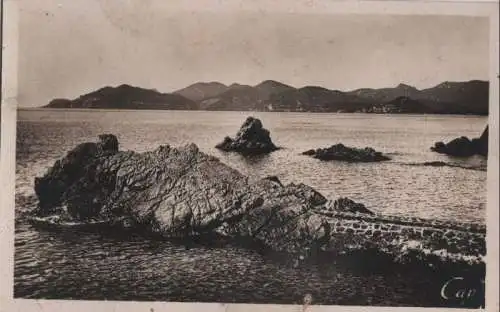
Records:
x=94, y=266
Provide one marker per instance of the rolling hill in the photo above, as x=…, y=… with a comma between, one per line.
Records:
x=126, y=97
x=202, y=90
x=469, y=97
x=244, y=97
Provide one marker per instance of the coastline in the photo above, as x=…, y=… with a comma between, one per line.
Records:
x=48, y=109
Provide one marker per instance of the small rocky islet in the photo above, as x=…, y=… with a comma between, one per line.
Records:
x=182, y=192
x=349, y=154
x=251, y=139
x=463, y=146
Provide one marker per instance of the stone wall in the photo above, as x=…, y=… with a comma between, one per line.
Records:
x=393, y=232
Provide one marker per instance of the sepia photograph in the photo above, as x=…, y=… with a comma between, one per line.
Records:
x=251, y=156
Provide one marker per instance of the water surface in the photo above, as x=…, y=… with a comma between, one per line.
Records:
x=94, y=266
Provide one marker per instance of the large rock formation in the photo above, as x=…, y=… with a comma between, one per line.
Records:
x=463, y=147
x=251, y=139
x=182, y=192
x=65, y=178
x=481, y=143
x=344, y=153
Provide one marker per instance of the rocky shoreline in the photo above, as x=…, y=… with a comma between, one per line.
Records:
x=182, y=192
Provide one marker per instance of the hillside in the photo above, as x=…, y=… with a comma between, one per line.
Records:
x=316, y=99
x=202, y=90
x=457, y=97
x=244, y=97
x=386, y=94
x=126, y=97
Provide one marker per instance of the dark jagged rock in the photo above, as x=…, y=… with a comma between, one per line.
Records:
x=344, y=153
x=274, y=179
x=347, y=205
x=65, y=177
x=310, y=152
x=108, y=142
x=482, y=143
x=182, y=192
x=463, y=146
x=251, y=139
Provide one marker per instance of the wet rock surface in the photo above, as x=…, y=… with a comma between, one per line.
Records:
x=251, y=139
x=64, y=178
x=349, y=154
x=344, y=204
x=182, y=192
x=463, y=146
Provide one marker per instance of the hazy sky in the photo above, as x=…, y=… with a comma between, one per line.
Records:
x=71, y=47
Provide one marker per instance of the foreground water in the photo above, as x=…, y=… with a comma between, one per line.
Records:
x=93, y=266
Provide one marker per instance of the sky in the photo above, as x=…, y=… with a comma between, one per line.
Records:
x=71, y=47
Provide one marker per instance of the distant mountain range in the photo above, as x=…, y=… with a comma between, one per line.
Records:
x=469, y=97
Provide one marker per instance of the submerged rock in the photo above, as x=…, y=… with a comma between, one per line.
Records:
x=182, y=192
x=251, y=139
x=349, y=154
x=435, y=164
x=478, y=167
x=463, y=146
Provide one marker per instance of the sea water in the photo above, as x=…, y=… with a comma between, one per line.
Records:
x=114, y=267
